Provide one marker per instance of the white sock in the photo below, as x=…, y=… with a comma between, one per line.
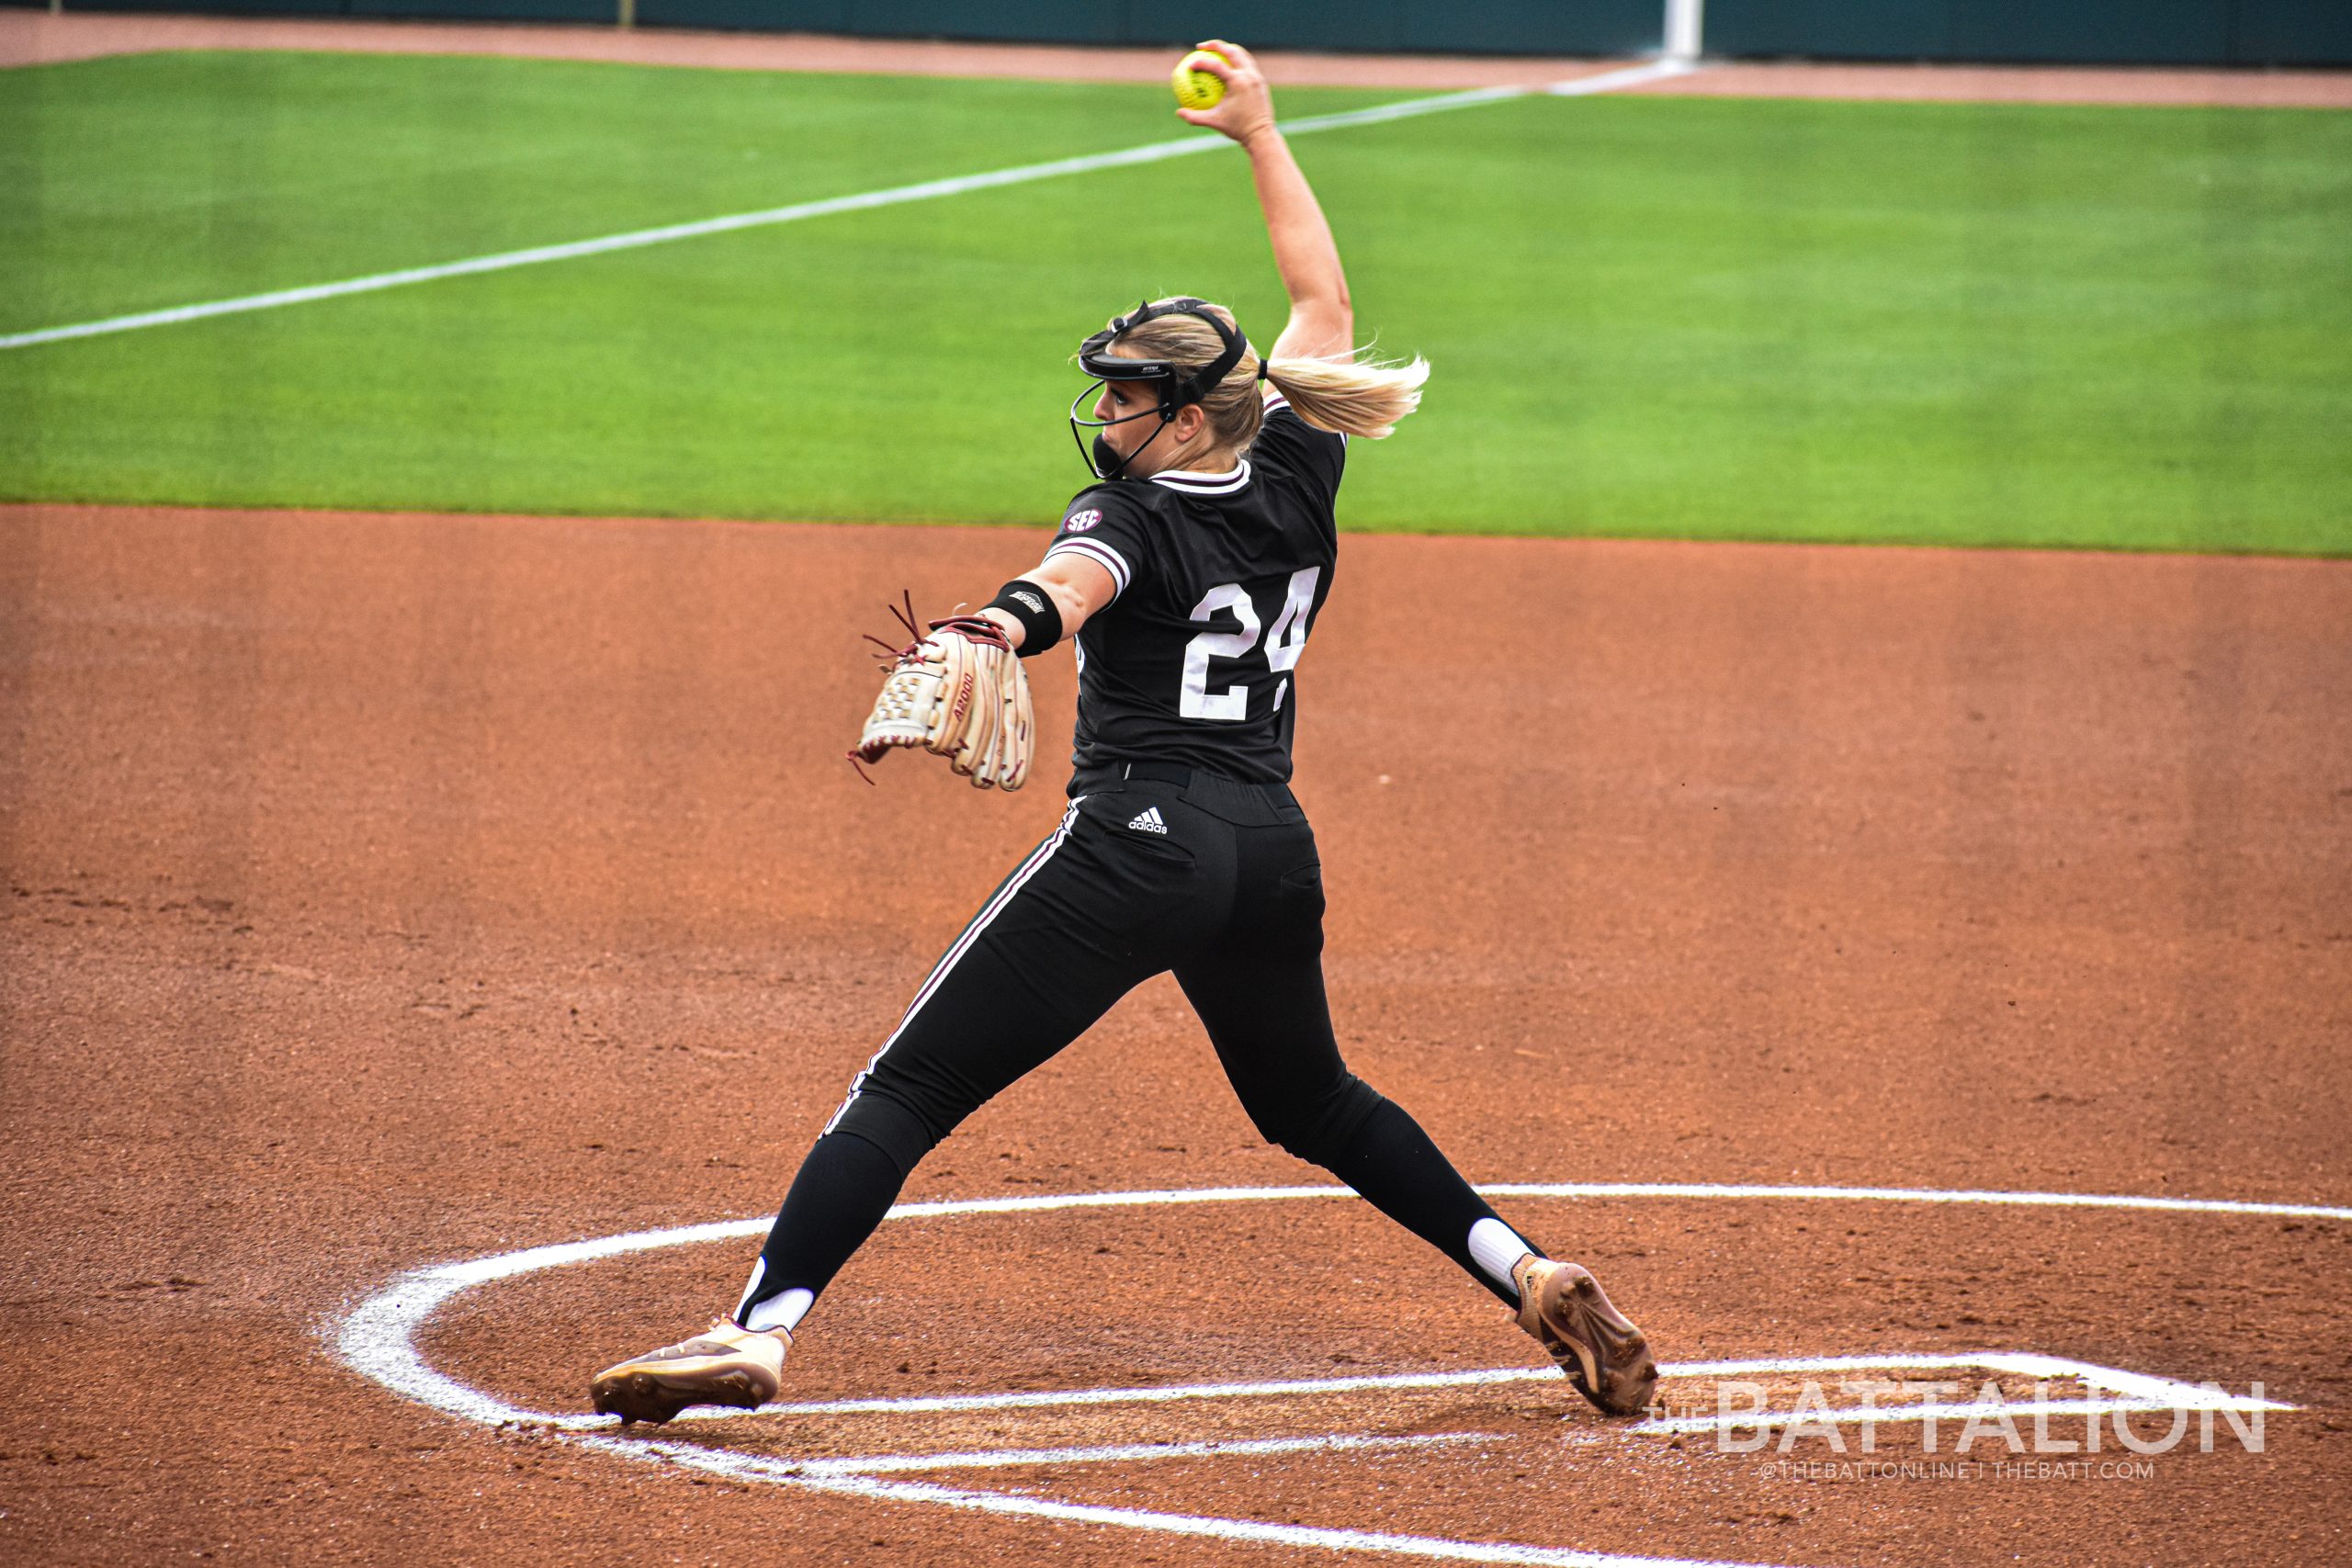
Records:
x=784, y=1312
x=1495, y=1247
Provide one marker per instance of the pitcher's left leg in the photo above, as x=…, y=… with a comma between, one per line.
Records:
x=1268, y=1018
x=1260, y=994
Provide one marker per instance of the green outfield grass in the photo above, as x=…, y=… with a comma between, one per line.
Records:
x=1698, y=317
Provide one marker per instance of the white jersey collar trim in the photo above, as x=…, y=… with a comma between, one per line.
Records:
x=1194, y=484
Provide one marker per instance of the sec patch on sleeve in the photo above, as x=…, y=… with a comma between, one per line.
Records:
x=1080, y=522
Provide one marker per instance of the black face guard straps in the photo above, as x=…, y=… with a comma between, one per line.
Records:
x=1175, y=389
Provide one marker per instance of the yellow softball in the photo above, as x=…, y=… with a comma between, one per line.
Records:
x=1196, y=88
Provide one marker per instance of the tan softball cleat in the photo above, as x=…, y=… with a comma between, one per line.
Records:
x=725, y=1365
x=1606, y=1357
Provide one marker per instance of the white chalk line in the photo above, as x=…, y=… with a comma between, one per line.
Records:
x=895, y=196
x=2129, y=1391
x=2133, y=1390
x=478, y=1270
x=1127, y=1453
x=377, y=1339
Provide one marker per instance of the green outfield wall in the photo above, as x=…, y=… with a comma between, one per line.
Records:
x=2133, y=32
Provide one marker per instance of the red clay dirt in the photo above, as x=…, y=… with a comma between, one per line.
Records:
x=29, y=38
x=387, y=889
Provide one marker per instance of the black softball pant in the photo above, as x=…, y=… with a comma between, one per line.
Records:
x=1153, y=867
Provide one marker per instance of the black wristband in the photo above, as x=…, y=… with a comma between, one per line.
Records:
x=1040, y=618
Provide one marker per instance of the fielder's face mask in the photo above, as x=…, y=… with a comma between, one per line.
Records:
x=1169, y=379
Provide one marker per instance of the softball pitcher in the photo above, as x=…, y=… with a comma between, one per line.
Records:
x=1190, y=577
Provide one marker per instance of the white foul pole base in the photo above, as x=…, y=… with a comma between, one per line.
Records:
x=1685, y=28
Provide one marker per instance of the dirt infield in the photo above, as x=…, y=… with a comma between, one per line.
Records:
x=34, y=38
x=386, y=890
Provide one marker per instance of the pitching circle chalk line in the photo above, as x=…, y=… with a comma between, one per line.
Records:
x=377, y=1338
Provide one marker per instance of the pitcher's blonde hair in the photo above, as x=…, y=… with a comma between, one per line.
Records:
x=1345, y=394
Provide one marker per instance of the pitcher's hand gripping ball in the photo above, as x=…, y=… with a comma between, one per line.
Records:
x=1197, y=88
x=958, y=691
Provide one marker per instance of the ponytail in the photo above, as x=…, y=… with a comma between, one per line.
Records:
x=1348, y=395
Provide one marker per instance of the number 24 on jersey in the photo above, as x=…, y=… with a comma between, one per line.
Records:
x=1285, y=640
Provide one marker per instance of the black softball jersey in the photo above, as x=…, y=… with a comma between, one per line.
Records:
x=1219, y=579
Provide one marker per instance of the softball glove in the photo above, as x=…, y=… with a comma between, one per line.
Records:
x=959, y=691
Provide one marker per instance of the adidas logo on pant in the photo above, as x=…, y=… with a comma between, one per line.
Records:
x=1149, y=822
